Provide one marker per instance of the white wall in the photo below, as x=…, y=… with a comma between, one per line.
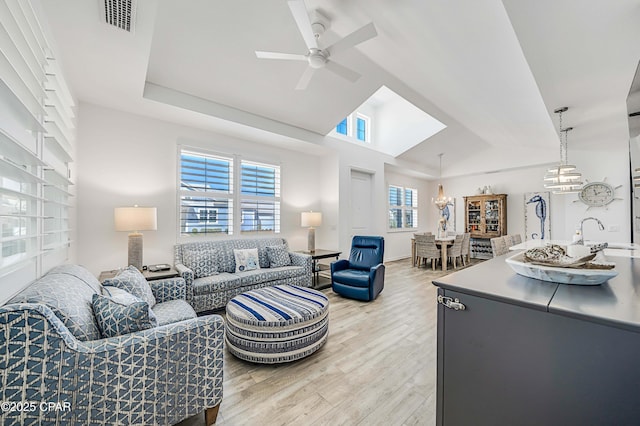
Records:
x=125, y=159
x=565, y=210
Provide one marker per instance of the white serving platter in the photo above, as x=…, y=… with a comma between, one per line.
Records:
x=574, y=276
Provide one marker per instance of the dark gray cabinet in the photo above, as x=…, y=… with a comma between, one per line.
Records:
x=527, y=352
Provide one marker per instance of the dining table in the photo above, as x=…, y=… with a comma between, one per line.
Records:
x=442, y=242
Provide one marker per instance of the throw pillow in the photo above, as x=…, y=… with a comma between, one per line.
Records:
x=246, y=260
x=134, y=282
x=124, y=297
x=278, y=256
x=203, y=263
x=121, y=315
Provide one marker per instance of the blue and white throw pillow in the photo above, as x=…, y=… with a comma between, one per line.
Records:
x=133, y=282
x=246, y=260
x=278, y=256
x=126, y=298
x=120, y=314
x=203, y=263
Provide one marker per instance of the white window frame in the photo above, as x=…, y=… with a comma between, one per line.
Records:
x=276, y=199
x=234, y=195
x=367, y=127
x=404, y=209
x=213, y=194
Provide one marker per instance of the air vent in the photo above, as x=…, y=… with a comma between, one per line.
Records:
x=120, y=13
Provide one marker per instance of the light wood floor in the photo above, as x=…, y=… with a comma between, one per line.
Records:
x=378, y=366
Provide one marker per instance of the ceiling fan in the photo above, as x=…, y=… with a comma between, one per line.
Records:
x=317, y=57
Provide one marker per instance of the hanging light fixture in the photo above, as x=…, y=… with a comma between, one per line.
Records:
x=563, y=178
x=442, y=201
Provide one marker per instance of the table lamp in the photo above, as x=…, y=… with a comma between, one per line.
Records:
x=311, y=220
x=135, y=219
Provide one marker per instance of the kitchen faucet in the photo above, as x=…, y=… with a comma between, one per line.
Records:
x=600, y=225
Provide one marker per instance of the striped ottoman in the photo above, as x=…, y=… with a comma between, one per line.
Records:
x=277, y=324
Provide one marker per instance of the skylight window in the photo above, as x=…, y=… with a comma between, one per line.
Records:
x=342, y=127
x=362, y=123
x=388, y=123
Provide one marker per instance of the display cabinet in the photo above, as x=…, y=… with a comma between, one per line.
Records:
x=486, y=215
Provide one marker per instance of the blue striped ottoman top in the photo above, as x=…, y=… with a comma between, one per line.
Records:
x=277, y=306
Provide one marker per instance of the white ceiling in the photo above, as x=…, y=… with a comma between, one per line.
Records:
x=492, y=71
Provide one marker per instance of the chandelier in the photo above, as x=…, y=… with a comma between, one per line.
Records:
x=563, y=178
x=442, y=201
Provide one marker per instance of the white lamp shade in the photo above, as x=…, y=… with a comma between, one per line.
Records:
x=311, y=219
x=135, y=218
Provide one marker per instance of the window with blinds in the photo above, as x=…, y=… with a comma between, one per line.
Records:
x=403, y=207
x=206, y=193
x=209, y=204
x=36, y=138
x=260, y=202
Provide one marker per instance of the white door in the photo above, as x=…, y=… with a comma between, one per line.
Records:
x=361, y=203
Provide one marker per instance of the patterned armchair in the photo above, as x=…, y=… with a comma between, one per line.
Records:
x=56, y=369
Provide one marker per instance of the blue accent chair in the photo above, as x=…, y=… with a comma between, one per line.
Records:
x=362, y=276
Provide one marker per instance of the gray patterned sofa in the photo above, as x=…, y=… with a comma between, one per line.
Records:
x=209, y=269
x=56, y=368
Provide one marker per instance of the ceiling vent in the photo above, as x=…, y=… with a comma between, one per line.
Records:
x=120, y=13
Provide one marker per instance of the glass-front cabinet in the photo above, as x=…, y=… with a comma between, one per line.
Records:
x=486, y=215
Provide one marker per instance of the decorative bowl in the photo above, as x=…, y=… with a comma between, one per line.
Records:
x=576, y=276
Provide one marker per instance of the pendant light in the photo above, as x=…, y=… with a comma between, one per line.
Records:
x=442, y=201
x=563, y=178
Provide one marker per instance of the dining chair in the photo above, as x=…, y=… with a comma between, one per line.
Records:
x=456, y=250
x=508, y=241
x=466, y=248
x=498, y=246
x=517, y=239
x=426, y=249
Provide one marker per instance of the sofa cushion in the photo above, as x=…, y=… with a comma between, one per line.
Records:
x=269, y=274
x=123, y=296
x=278, y=256
x=132, y=280
x=222, y=281
x=246, y=259
x=122, y=313
x=203, y=263
x=225, y=247
x=68, y=290
x=173, y=311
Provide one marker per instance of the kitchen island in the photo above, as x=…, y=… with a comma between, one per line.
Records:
x=530, y=352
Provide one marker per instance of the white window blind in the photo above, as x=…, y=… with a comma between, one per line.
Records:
x=36, y=138
x=206, y=186
x=260, y=202
x=209, y=204
x=403, y=207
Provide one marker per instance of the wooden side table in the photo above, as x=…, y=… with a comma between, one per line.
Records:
x=150, y=276
x=319, y=267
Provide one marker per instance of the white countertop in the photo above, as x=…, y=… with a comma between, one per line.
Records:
x=614, y=249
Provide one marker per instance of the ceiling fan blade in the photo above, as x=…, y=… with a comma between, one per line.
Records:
x=301, y=16
x=358, y=36
x=277, y=55
x=342, y=71
x=305, y=78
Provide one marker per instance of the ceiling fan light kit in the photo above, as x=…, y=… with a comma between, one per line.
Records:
x=310, y=30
